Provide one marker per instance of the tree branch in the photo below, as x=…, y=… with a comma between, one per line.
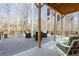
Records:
x=36, y=5
x=42, y=5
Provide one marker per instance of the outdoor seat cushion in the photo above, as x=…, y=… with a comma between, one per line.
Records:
x=73, y=38
x=62, y=46
x=69, y=49
x=74, y=49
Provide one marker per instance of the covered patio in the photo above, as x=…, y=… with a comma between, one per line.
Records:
x=61, y=9
x=41, y=41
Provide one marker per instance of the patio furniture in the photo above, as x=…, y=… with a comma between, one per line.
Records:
x=5, y=35
x=0, y=35
x=36, y=36
x=69, y=47
x=51, y=33
x=27, y=35
x=44, y=35
x=72, y=37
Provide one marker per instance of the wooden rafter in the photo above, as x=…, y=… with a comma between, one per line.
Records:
x=64, y=8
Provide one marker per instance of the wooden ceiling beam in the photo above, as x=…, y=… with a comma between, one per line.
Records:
x=64, y=8
x=69, y=9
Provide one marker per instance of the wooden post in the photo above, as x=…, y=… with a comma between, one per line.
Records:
x=54, y=25
x=39, y=25
x=47, y=24
x=61, y=25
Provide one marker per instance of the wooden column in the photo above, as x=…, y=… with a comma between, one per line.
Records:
x=61, y=25
x=54, y=25
x=39, y=25
x=47, y=26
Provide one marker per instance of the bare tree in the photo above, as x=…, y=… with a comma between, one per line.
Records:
x=22, y=12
